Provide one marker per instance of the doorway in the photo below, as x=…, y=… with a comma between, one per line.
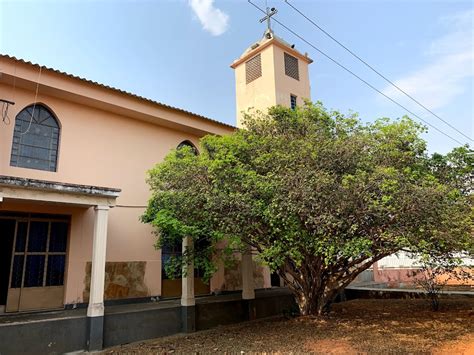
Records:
x=171, y=285
x=7, y=234
x=33, y=270
x=275, y=279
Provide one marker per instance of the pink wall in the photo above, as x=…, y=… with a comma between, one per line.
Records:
x=102, y=148
x=394, y=276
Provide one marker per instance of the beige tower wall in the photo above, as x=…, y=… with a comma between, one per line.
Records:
x=260, y=93
x=274, y=87
x=285, y=85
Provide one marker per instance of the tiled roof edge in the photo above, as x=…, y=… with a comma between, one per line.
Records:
x=116, y=90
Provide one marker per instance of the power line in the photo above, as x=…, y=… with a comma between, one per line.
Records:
x=375, y=70
x=355, y=75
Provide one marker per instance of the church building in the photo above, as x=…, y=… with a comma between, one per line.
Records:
x=78, y=270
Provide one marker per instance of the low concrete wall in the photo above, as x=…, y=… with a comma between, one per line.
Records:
x=271, y=306
x=210, y=315
x=49, y=336
x=66, y=331
x=267, y=304
x=135, y=323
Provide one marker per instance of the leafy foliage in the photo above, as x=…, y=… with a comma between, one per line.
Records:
x=320, y=195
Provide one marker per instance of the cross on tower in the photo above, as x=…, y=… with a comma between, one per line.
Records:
x=270, y=13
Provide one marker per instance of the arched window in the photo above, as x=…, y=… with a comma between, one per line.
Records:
x=35, y=139
x=187, y=143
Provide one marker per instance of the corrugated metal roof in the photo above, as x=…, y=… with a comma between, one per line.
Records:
x=116, y=90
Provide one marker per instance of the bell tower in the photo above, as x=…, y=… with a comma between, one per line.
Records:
x=270, y=72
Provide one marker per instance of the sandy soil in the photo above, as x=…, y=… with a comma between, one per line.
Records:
x=353, y=327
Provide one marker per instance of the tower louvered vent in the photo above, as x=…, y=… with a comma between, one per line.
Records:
x=253, y=68
x=291, y=67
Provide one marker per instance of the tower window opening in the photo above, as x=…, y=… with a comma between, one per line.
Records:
x=253, y=68
x=293, y=102
x=291, y=67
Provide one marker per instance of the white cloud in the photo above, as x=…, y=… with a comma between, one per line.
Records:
x=212, y=19
x=451, y=65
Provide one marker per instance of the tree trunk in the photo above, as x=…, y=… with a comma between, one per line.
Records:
x=315, y=303
x=316, y=287
x=312, y=292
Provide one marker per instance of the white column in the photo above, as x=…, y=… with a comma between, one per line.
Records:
x=99, y=246
x=248, y=291
x=187, y=291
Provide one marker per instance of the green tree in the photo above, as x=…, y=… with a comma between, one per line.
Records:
x=320, y=195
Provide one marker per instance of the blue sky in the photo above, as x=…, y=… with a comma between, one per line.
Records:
x=178, y=52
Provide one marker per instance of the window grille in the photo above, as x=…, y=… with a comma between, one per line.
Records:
x=35, y=139
x=253, y=68
x=291, y=67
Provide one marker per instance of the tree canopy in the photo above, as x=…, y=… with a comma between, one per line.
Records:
x=320, y=195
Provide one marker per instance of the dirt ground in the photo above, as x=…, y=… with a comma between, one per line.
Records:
x=372, y=326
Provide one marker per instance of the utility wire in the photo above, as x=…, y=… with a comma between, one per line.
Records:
x=5, y=118
x=34, y=104
x=375, y=70
x=355, y=75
